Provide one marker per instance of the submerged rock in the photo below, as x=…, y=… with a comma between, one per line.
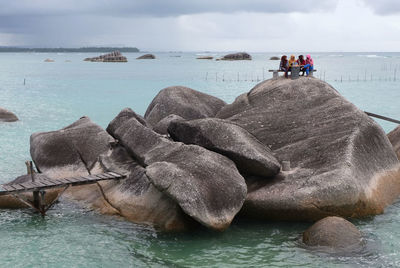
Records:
x=237, y=56
x=184, y=102
x=206, y=185
x=7, y=116
x=334, y=233
x=146, y=57
x=342, y=162
x=221, y=136
x=274, y=58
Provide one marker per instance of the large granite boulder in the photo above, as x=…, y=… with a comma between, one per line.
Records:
x=146, y=57
x=342, y=161
x=333, y=233
x=222, y=136
x=85, y=148
x=394, y=138
x=237, y=56
x=73, y=150
x=7, y=116
x=182, y=101
x=206, y=185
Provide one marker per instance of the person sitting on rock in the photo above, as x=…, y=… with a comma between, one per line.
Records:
x=309, y=66
x=284, y=65
x=301, y=62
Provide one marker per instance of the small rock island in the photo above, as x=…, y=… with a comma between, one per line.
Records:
x=114, y=56
x=7, y=116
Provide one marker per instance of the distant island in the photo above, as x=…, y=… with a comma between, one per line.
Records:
x=67, y=50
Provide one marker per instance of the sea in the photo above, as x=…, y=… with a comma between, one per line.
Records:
x=47, y=96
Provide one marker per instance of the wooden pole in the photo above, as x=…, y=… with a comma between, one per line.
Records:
x=36, y=200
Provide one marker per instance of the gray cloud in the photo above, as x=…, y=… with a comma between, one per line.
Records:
x=384, y=7
x=158, y=7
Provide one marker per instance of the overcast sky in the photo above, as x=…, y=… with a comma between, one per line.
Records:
x=204, y=25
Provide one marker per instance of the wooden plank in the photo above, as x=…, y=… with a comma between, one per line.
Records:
x=102, y=176
x=28, y=185
x=38, y=184
x=18, y=186
x=109, y=176
x=8, y=188
x=74, y=179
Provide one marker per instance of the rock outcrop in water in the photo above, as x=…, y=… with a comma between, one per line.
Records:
x=333, y=233
x=114, y=56
x=7, y=116
x=342, y=162
x=237, y=56
x=146, y=57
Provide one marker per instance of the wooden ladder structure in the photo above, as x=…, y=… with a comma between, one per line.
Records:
x=39, y=183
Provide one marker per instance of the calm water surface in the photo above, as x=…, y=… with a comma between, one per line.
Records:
x=56, y=94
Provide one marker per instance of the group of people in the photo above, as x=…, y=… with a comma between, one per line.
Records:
x=306, y=65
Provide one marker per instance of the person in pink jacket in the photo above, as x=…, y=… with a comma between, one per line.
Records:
x=309, y=67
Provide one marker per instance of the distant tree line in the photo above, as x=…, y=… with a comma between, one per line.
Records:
x=66, y=50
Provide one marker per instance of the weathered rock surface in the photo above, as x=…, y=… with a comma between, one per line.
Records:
x=332, y=232
x=342, y=162
x=182, y=101
x=146, y=57
x=162, y=126
x=71, y=151
x=274, y=58
x=7, y=116
x=237, y=56
x=206, y=185
x=222, y=136
x=84, y=148
x=394, y=138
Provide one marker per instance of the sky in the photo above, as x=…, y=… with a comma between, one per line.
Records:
x=204, y=25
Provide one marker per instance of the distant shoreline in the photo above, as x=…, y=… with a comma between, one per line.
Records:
x=69, y=50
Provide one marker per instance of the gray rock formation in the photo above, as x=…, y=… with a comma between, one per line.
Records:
x=237, y=56
x=182, y=101
x=71, y=151
x=342, y=162
x=222, y=136
x=7, y=116
x=333, y=232
x=114, y=56
x=162, y=126
x=394, y=138
x=206, y=185
x=146, y=57
x=84, y=148
x=274, y=58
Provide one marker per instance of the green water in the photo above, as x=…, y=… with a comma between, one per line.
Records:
x=56, y=94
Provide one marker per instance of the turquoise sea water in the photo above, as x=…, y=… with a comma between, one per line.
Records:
x=56, y=94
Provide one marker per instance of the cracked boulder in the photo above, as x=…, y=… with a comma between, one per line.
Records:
x=206, y=185
x=7, y=116
x=250, y=156
x=341, y=161
x=182, y=101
